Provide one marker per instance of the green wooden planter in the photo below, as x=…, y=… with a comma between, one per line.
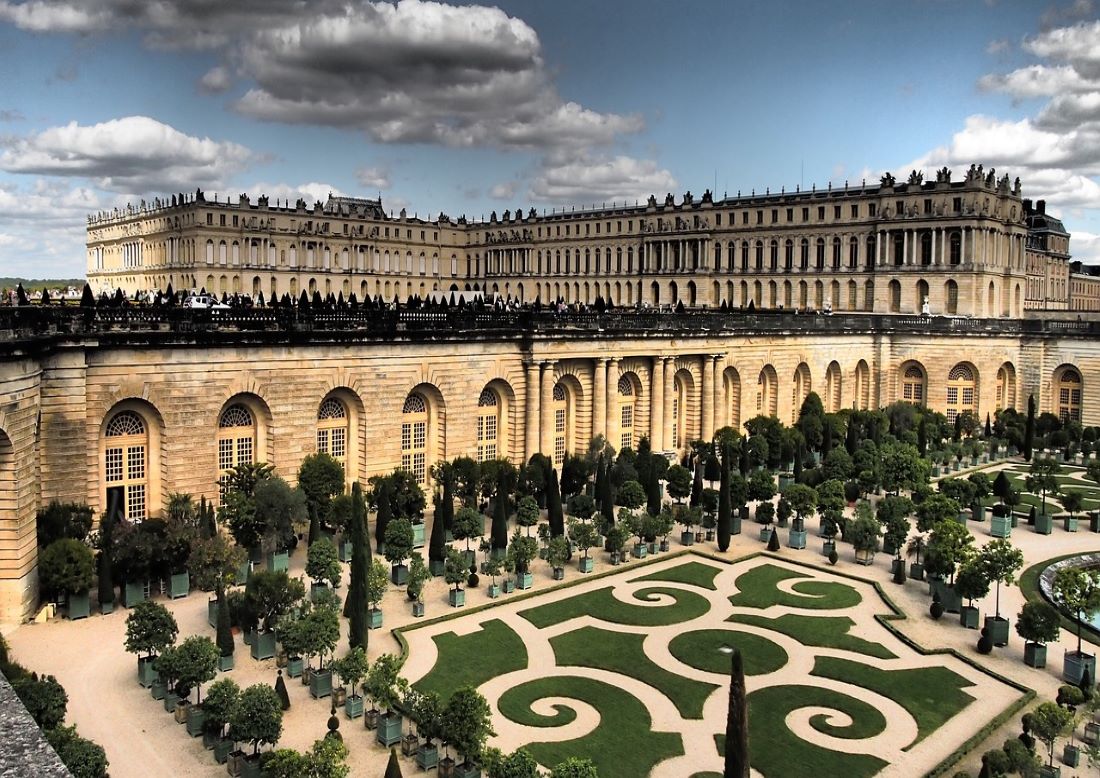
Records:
x=133, y=593
x=1000, y=526
x=997, y=630
x=640, y=550
x=222, y=749
x=243, y=572
x=295, y=665
x=950, y=601
x=179, y=585
x=344, y=550
x=320, y=684
x=558, y=573
x=263, y=645
x=209, y=739
x=80, y=606
x=225, y=663
x=916, y=571
x=785, y=480
x=1035, y=654
x=315, y=589
x=106, y=608
x=828, y=547
x=353, y=706
x=1044, y=523
x=278, y=561
x=1050, y=771
x=1074, y=664
x=977, y=512
x=1094, y=521
x=418, y=609
x=687, y=538
x=494, y=591
x=467, y=770
x=1069, y=523
x=170, y=700
x=250, y=768
x=796, y=539
x=456, y=597
x=399, y=574
x=374, y=618
x=146, y=672
x=158, y=689
x=968, y=616
x=427, y=756
x=524, y=580
x=418, y=535
x=1071, y=755
x=196, y=718
x=212, y=613
x=437, y=567
x=509, y=586
x=765, y=534
x=389, y=729
x=586, y=565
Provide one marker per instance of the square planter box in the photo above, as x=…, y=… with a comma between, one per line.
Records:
x=278, y=561
x=295, y=666
x=399, y=574
x=494, y=591
x=370, y=719
x=222, y=750
x=389, y=729
x=456, y=597
x=1069, y=523
x=133, y=593
x=410, y=744
x=558, y=574
x=977, y=513
x=107, y=608
x=263, y=645
x=374, y=618
x=640, y=550
x=950, y=601
x=235, y=763
x=765, y=534
x=652, y=548
x=785, y=480
x=963, y=517
x=315, y=590
x=225, y=663
x=615, y=558
x=1094, y=521
x=796, y=539
x=586, y=565
x=147, y=672
x=687, y=538
x=1074, y=665
x=353, y=707
x=968, y=617
x=418, y=609
x=183, y=709
x=427, y=757
x=1092, y=733
x=1000, y=526
x=343, y=551
x=524, y=580
x=509, y=586
x=828, y=547
x=196, y=717
x=436, y=567
x=80, y=606
x=243, y=572
x=663, y=545
x=418, y=535
x=1044, y=523
x=179, y=585
x=916, y=571
x=158, y=690
x=247, y=635
x=1071, y=755
x=212, y=613
x=1035, y=654
x=320, y=684
x=865, y=557
x=250, y=768
x=169, y=702
x=997, y=629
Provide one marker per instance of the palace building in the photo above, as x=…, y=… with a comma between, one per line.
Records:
x=132, y=404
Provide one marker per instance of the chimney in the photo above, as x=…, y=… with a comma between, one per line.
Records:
x=1027, y=205
x=1041, y=206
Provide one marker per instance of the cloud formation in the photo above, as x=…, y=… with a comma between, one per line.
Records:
x=134, y=154
x=597, y=180
x=373, y=178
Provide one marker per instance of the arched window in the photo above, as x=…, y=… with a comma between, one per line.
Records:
x=1006, y=386
x=800, y=389
x=895, y=296
x=332, y=430
x=1067, y=395
x=679, y=413
x=488, y=425
x=788, y=254
x=561, y=424
x=414, y=437
x=773, y=254
x=962, y=392
x=820, y=253
x=733, y=397
x=853, y=253
x=236, y=439
x=836, y=253
x=912, y=385
x=804, y=256
x=626, y=412
x=767, y=392
x=125, y=465
x=759, y=255
x=832, y=388
x=863, y=386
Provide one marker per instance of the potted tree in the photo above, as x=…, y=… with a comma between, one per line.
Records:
x=914, y=548
x=352, y=669
x=583, y=535
x=1072, y=502
x=270, y=595
x=662, y=525
x=214, y=564
x=1048, y=723
x=150, y=629
x=222, y=699
x=557, y=555
x=466, y=726
x=455, y=574
x=1000, y=560
x=1038, y=624
x=709, y=503
x=493, y=566
x=765, y=514
x=521, y=552
x=803, y=501
x=378, y=580
x=897, y=532
x=971, y=584
x=387, y=689
x=321, y=629
x=468, y=525
x=197, y=663
x=428, y=713
x=616, y=540
x=864, y=534
x=399, y=546
x=419, y=575
x=322, y=566
x=783, y=512
x=1077, y=590
x=293, y=639
x=66, y=569
x=257, y=719
x=166, y=688
x=949, y=547
x=1042, y=479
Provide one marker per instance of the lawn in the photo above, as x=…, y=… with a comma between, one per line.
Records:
x=819, y=631
x=471, y=660
x=706, y=649
x=602, y=604
x=759, y=588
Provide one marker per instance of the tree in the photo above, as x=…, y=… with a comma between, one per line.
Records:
x=499, y=529
x=1000, y=560
x=279, y=509
x=399, y=541
x=355, y=607
x=214, y=563
x=66, y=566
x=1038, y=622
x=82, y=757
x=150, y=629
x=468, y=524
x=1072, y=501
x=383, y=683
x=393, y=767
x=257, y=717
x=467, y=722
x=936, y=509
x=43, y=697
x=557, y=553
x=1050, y=722
x=224, y=628
x=322, y=563
x=901, y=467
x=631, y=495
x=419, y=574
x=270, y=594
x=949, y=546
x=521, y=550
x=1042, y=478
x=761, y=486
x=527, y=513
x=575, y=767
x=320, y=477
x=1077, y=590
x=678, y=482
x=864, y=531
x=106, y=586
x=378, y=580
x=382, y=498
x=455, y=569
x=737, y=722
x=553, y=505
x=583, y=534
x=971, y=582
x=518, y=764
x=63, y=520
x=1029, y=430
x=196, y=663
x=802, y=499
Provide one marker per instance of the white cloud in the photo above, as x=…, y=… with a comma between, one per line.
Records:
x=311, y=192
x=596, y=180
x=215, y=80
x=998, y=46
x=373, y=177
x=132, y=154
x=503, y=191
x=1085, y=247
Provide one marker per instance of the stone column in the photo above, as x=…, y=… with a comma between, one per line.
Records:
x=670, y=393
x=721, y=411
x=546, y=415
x=610, y=428
x=657, y=404
x=905, y=248
x=706, y=406
x=600, y=404
x=532, y=408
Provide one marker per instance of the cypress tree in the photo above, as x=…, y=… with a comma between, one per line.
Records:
x=988, y=427
x=437, y=546
x=697, y=487
x=106, y=569
x=773, y=543
x=553, y=505
x=385, y=512
x=314, y=526
x=280, y=691
x=743, y=459
x=393, y=767
x=1029, y=430
x=725, y=515
x=851, y=437
x=607, y=499
x=224, y=628
x=827, y=438
x=922, y=436
x=499, y=531
x=653, y=493
x=737, y=722
x=799, y=455
x=355, y=607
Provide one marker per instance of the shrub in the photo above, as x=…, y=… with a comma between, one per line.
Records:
x=81, y=756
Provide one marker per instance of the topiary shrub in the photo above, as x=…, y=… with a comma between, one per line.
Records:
x=936, y=609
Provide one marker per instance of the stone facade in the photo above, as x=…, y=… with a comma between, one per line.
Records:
x=416, y=387
x=963, y=246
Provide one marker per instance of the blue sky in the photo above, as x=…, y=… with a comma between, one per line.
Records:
x=470, y=108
